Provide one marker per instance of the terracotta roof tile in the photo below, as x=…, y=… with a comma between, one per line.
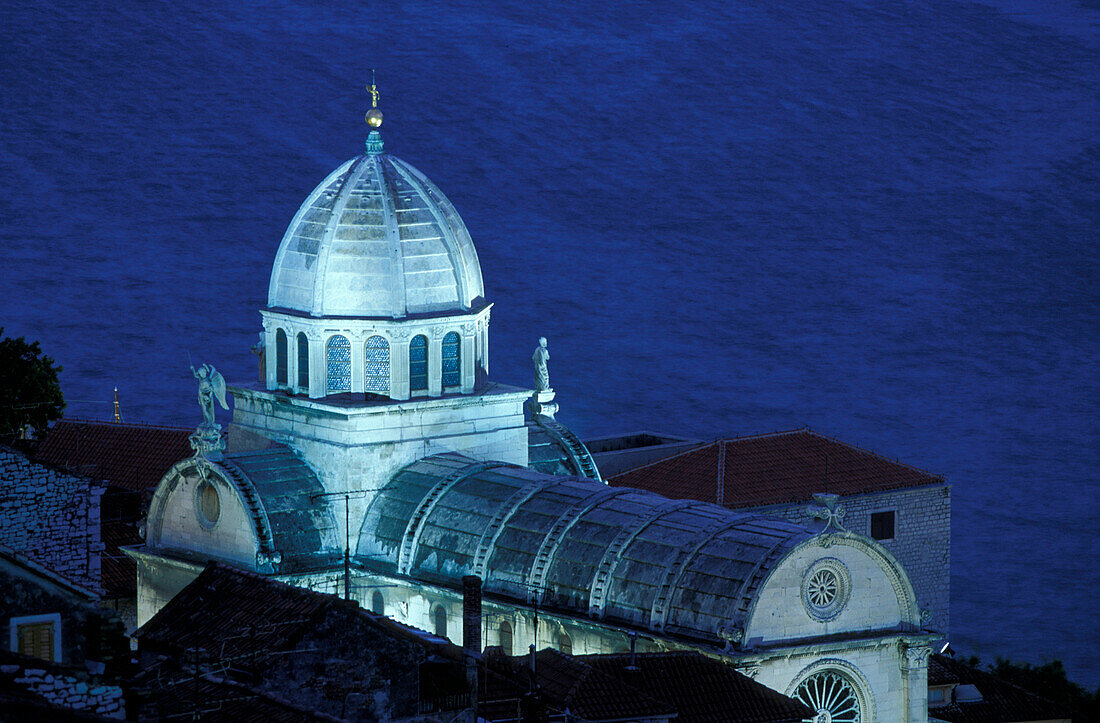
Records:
x=207, y=697
x=701, y=688
x=769, y=469
x=132, y=456
x=566, y=682
x=210, y=613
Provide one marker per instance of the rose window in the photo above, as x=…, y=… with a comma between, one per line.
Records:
x=831, y=697
x=822, y=588
x=825, y=588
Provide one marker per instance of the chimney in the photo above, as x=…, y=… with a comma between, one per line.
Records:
x=471, y=633
x=471, y=614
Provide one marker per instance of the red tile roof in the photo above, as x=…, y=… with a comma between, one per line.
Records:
x=564, y=682
x=700, y=688
x=132, y=456
x=772, y=469
x=207, y=697
x=210, y=613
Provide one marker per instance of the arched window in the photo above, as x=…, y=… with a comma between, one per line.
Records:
x=303, y=361
x=506, y=637
x=565, y=643
x=377, y=603
x=377, y=365
x=831, y=692
x=280, y=357
x=452, y=369
x=418, y=363
x=439, y=618
x=338, y=364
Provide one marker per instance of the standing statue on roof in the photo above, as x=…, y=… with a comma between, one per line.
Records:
x=542, y=374
x=211, y=387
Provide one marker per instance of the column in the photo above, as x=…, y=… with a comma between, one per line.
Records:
x=914, y=670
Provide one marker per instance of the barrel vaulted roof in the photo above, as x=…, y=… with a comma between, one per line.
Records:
x=627, y=556
x=284, y=499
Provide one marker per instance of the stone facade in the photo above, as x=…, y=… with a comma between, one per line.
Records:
x=888, y=676
x=921, y=541
x=81, y=630
x=51, y=517
x=357, y=448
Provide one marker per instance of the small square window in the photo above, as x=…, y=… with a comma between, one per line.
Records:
x=38, y=636
x=882, y=525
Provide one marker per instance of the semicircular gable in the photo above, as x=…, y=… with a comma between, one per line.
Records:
x=847, y=583
x=175, y=524
x=271, y=515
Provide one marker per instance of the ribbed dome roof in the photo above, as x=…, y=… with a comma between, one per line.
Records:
x=376, y=239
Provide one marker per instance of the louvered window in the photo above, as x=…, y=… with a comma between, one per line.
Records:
x=37, y=640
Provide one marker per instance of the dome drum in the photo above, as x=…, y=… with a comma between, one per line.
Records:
x=422, y=357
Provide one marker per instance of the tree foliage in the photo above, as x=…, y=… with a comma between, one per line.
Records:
x=30, y=392
x=1048, y=680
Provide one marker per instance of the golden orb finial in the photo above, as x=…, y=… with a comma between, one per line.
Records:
x=374, y=116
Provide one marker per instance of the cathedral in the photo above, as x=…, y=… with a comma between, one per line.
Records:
x=377, y=459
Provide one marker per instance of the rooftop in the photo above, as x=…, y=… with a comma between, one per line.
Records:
x=700, y=688
x=995, y=701
x=768, y=469
x=131, y=456
x=566, y=683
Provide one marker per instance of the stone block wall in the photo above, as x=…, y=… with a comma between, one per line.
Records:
x=73, y=692
x=921, y=542
x=51, y=518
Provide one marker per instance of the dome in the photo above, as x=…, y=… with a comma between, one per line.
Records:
x=376, y=239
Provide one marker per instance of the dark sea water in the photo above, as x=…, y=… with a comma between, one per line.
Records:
x=879, y=219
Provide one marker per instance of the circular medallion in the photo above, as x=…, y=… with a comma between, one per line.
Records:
x=825, y=588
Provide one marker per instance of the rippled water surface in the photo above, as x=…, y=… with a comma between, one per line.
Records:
x=878, y=219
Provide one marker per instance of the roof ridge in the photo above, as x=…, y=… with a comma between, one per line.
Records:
x=697, y=448
x=877, y=455
x=109, y=423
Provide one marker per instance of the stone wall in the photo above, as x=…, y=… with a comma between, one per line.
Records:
x=921, y=543
x=51, y=518
x=72, y=692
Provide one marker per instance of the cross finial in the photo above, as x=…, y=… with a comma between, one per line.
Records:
x=373, y=91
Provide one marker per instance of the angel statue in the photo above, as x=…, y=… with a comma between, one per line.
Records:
x=211, y=387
